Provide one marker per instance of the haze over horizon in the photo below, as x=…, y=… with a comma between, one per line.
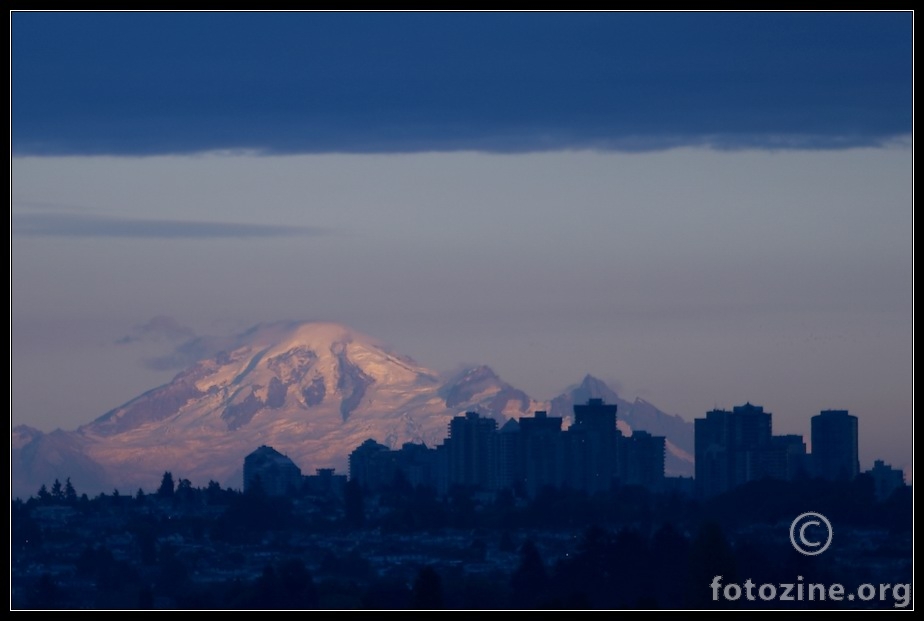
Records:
x=701, y=209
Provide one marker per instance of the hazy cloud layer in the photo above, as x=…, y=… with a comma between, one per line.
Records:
x=159, y=328
x=72, y=225
x=189, y=348
x=189, y=352
x=156, y=83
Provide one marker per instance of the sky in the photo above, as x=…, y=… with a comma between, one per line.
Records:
x=701, y=209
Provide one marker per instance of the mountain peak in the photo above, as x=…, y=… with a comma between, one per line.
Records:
x=317, y=334
x=22, y=435
x=322, y=331
x=479, y=372
x=314, y=390
x=597, y=387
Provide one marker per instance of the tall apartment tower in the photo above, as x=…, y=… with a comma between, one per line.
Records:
x=471, y=451
x=591, y=447
x=641, y=458
x=835, y=441
x=731, y=447
x=541, y=452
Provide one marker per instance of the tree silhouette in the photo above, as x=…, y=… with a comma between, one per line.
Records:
x=24, y=530
x=185, y=491
x=529, y=580
x=166, y=488
x=669, y=550
x=631, y=570
x=57, y=492
x=45, y=593
x=70, y=494
x=387, y=594
x=172, y=572
x=145, y=598
x=146, y=541
x=286, y=586
x=710, y=556
x=213, y=493
x=428, y=590
x=295, y=586
x=353, y=497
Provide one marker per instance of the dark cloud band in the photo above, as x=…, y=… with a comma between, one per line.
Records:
x=161, y=83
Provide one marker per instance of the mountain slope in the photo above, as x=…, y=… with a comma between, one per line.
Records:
x=38, y=459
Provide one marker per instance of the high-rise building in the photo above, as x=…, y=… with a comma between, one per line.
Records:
x=471, y=451
x=712, y=453
x=540, y=449
x=591, y=446
x=508, y=455
x=416, y=464
x=377, y=467
x=835, y=450
x=370, y=465
x=786, y=458
x=642, y=460
x=731, y=448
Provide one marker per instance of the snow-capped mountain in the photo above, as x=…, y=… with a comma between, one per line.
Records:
x=314, y=391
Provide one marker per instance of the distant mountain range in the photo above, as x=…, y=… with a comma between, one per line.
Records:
x=314, y=391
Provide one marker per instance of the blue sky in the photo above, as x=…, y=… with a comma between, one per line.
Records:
x=703, y=208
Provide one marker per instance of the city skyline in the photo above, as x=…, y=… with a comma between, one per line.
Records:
x=703, y=209
x=590, y=455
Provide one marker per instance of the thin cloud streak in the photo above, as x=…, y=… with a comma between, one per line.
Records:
x=161, y=327
x=69, y=225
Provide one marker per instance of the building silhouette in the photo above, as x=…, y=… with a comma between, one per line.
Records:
x=787, y=458
x=541, y=453
x=641, y=458
x=417, y=464
x=591, y=455
x=371, y=465
x=524, y=455
x=886, y=479
x=509, y=451
x=324, y=482
x=377, y=467
x=835, y=445
x=733, y=448
x=729, y=448
x=591, y=446
x=471, y=451
x=272, y=471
